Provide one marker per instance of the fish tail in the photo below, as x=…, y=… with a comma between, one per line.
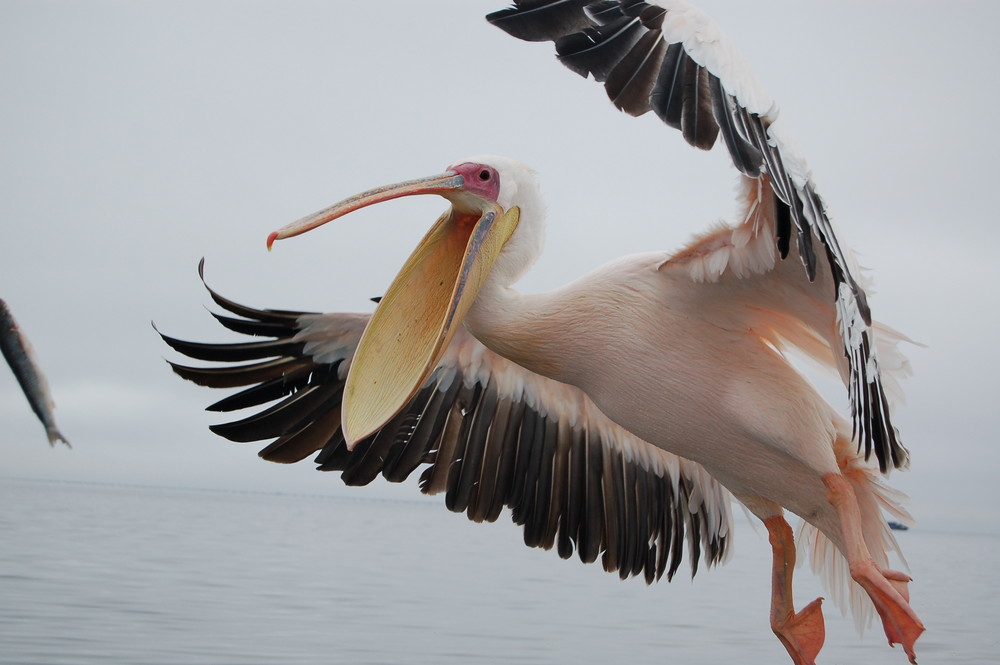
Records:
x=55, y=435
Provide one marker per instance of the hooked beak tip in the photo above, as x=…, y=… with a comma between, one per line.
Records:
x=449, y=184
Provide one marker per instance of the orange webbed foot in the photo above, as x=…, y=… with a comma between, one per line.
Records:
x=803, y=633
x=888, y=591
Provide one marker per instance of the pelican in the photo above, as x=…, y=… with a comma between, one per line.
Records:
x=616, y=415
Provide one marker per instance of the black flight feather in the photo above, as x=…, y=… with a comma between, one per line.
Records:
x=541, y=21
x=745, y=156
x=631, y=81
x=667, y=97
x=597, y=50
x=296, y=447
x=697, y=123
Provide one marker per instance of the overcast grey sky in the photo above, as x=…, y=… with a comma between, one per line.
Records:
x=136, y=137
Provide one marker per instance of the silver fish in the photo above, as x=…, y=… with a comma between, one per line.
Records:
x=17, y=351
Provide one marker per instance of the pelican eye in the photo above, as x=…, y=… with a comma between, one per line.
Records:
x=484, y=175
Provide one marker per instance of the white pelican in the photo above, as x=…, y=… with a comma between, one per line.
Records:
x=610, y=414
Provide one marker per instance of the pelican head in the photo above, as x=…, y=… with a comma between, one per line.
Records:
x=430, y=296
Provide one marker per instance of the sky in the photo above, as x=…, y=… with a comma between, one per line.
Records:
x=138, y=137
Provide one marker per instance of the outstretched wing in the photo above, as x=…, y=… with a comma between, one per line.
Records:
x=488, y=433
x=670, y=58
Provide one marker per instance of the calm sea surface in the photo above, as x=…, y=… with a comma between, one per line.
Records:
x=125, y=575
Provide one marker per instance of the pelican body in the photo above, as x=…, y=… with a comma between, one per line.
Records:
x=612, y=415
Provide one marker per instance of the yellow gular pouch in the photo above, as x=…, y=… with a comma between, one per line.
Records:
x=419, y=314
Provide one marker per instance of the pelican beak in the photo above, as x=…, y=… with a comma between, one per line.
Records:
x=426, y=302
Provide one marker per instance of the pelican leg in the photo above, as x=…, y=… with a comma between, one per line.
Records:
x=886, y=588
x=801, y=632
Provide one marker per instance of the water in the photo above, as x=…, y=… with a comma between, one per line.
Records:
x=127, y=575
